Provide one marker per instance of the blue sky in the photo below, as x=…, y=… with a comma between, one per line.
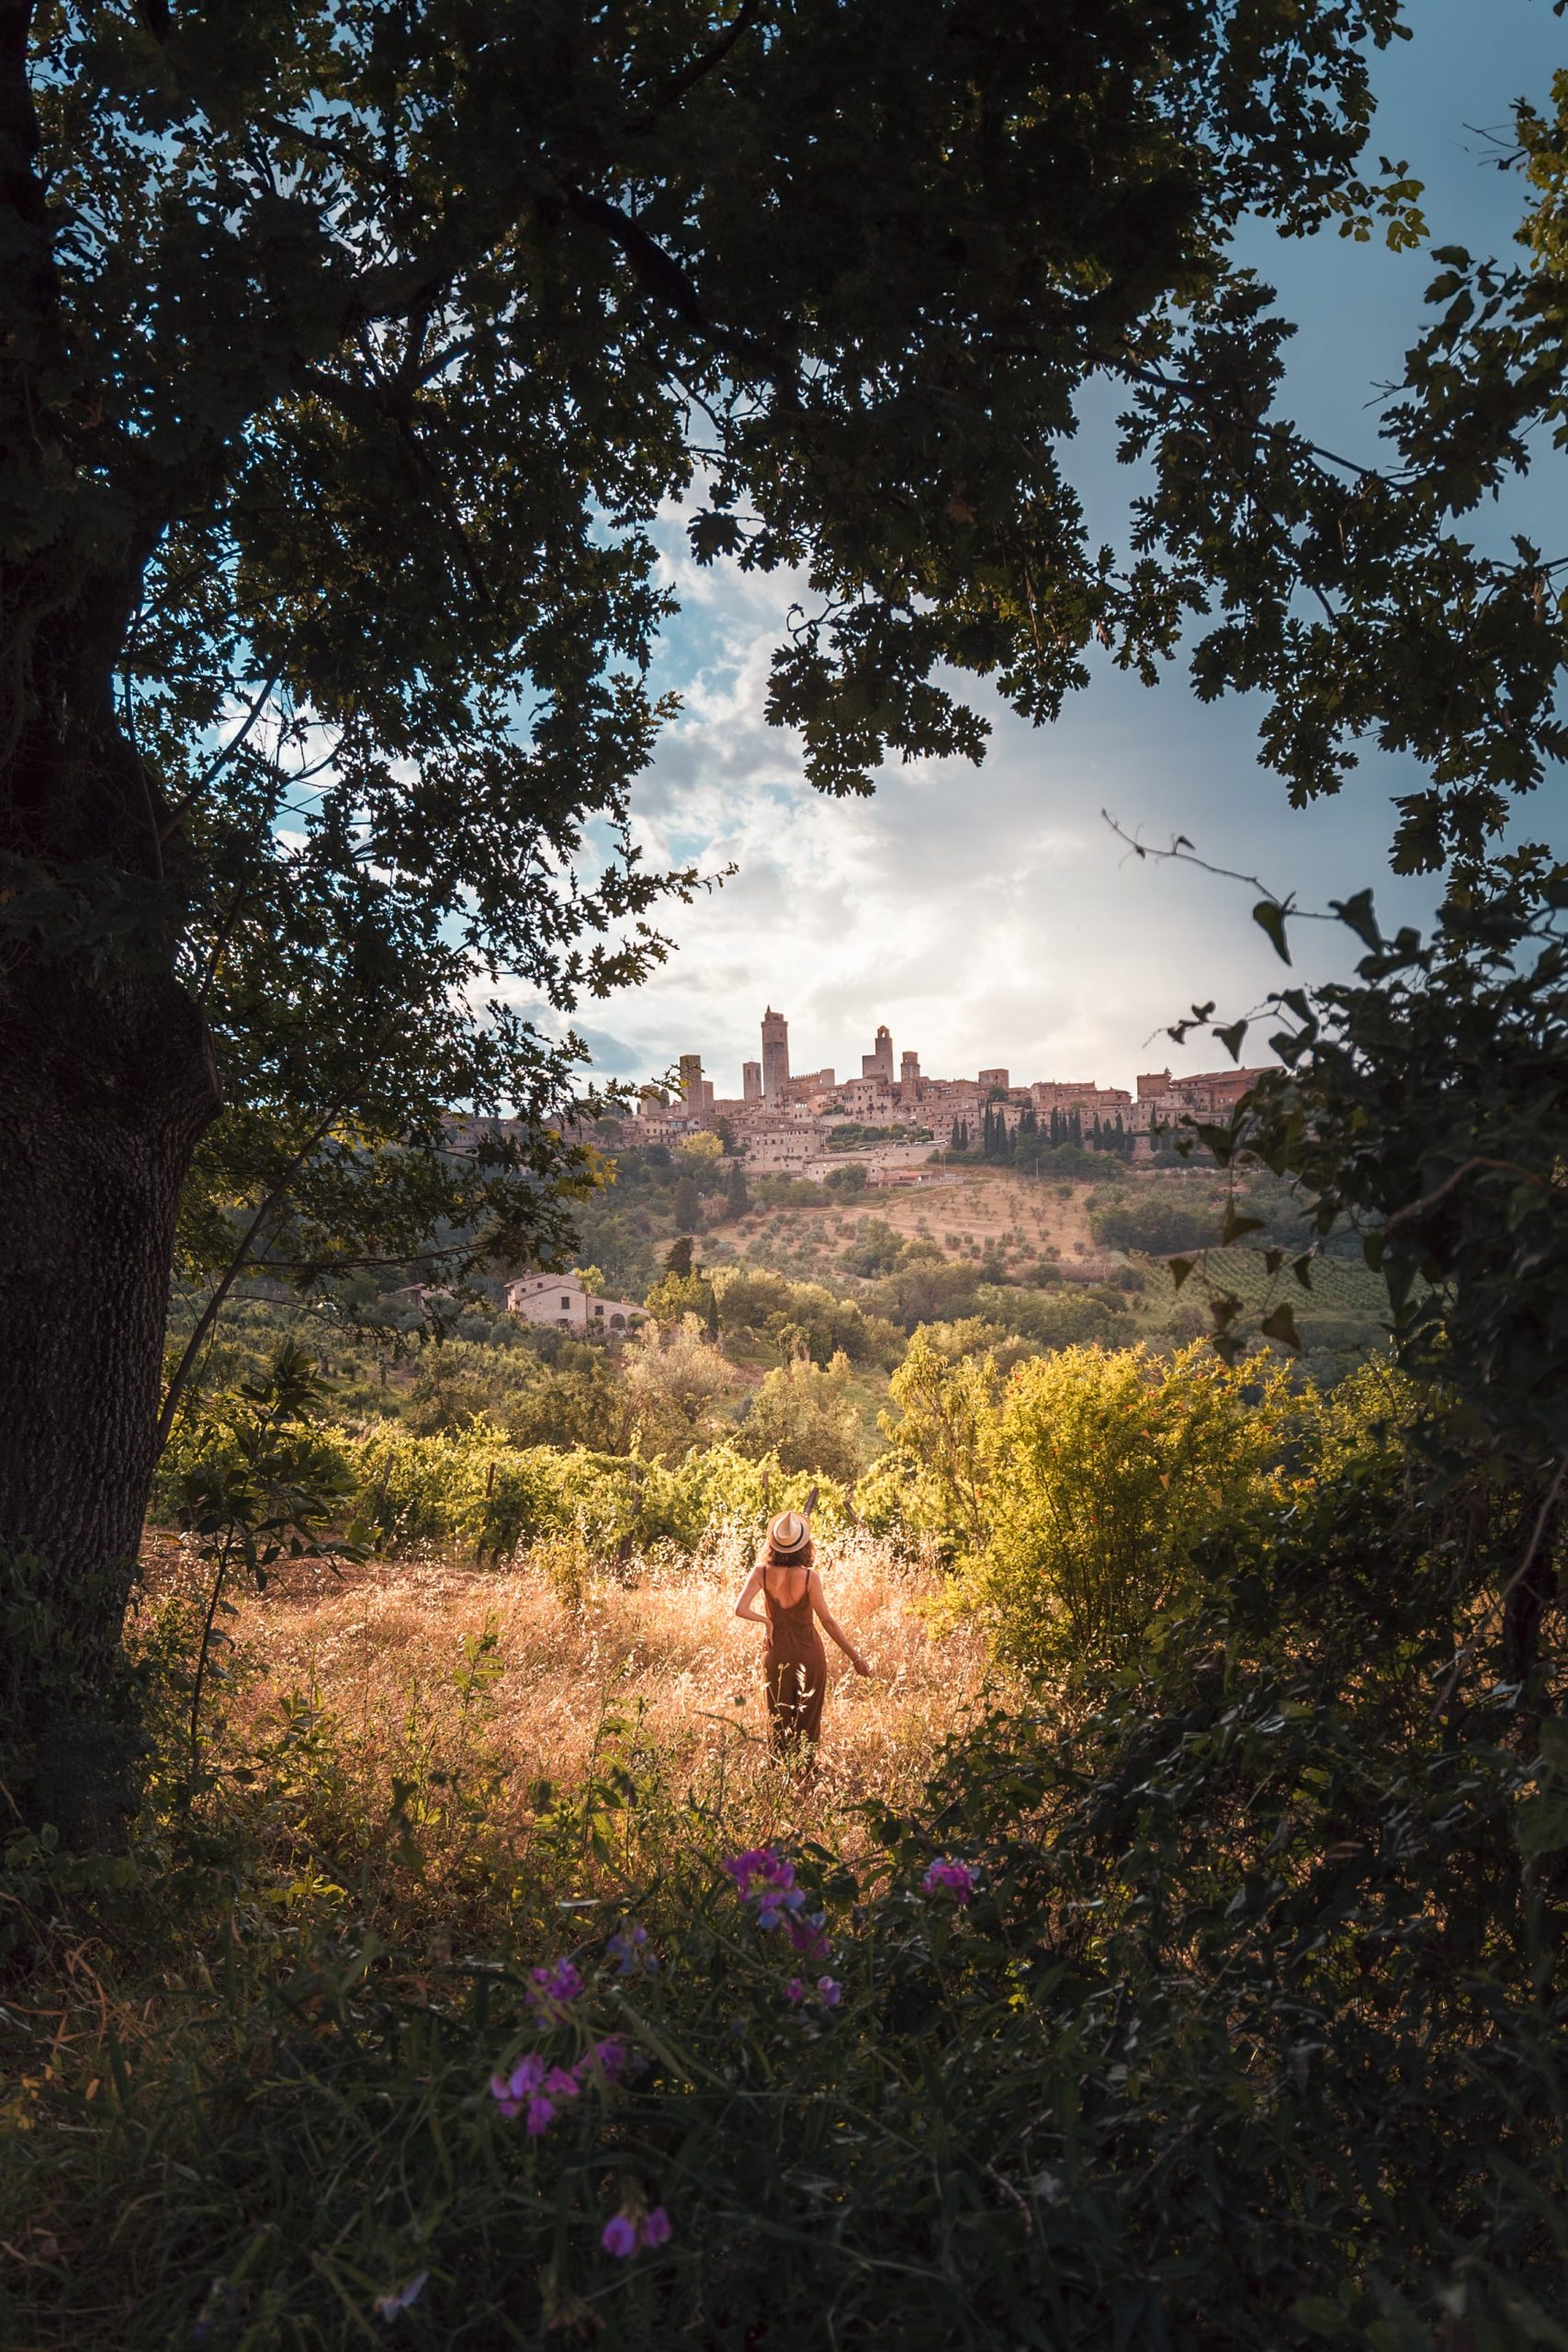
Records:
x=988, y=915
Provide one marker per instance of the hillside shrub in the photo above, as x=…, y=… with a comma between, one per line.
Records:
x=1156, y=1219
x=677, y=1386
x=804, y=1419
x=1065, y=1318
x=924, y=1290
x=933, y=1479
x=477, y=1489
x=797, y=1315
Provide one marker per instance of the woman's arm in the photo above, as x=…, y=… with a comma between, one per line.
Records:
x=829, y=1623
x=749, y=1592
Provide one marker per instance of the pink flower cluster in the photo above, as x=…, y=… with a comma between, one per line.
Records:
x=622, y=2235
x=537, y=2091
x=948, y=1877
x=761, y=1874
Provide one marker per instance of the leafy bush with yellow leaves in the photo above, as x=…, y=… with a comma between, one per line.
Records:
x=1106, y=1472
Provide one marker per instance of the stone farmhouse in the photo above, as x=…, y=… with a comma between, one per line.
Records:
x=560, y=1299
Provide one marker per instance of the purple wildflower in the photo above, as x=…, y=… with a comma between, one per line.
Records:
x=541, y=2115
x=618, y=2236
x=830, y=1991
x=656, y=2230
x=795, y=1990
x=557, y=1985
x=809, y=1936
x=609, y=2058
x=948, y=1877
x=760, y=1868
x=559, y=2084
x=626, y=1948
x=402, y=2298
x=511, y=2092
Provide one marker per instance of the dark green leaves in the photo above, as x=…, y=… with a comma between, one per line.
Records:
x=1270, y=917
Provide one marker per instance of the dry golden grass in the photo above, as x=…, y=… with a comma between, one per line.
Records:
x=656, y=1646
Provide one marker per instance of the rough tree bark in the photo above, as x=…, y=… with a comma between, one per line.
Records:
x=107, y=1080
x=103, y=1094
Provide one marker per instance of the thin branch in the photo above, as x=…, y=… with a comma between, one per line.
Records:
x=264, y=695
x=1467, y=1167
x=236, y=1266
x=1155, y=381
x=664, y=277
x=702, y=66
x=1183, y=854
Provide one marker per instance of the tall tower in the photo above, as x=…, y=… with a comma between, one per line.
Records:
x=775, y=1055
x=752, y=1082
x=696, y=1091
x=910, y=1078
x=878, y=1063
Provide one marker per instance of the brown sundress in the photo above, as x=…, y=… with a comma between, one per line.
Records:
x=796, y=1667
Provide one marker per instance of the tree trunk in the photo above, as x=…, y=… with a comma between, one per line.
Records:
x=104, y=1091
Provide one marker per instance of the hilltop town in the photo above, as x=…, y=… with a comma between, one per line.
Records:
x=787, y=1122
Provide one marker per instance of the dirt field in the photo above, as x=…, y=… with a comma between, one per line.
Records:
x=982, y=1209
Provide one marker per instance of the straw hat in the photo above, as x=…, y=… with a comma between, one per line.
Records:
x=788, y=1536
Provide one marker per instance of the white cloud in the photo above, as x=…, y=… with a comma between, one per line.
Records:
x=987, y=916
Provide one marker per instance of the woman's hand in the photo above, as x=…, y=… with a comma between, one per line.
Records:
x=859, y=1663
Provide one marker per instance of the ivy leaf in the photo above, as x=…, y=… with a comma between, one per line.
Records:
x=1281, y=1324
x=1236, y=1225
x=1270, y=916
x=1358, y=913
x=1231, y=1038
x=1178, y=1269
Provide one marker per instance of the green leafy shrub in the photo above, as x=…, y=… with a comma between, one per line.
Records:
x=1108, y=1472
x=1155, y=1218
x=1068, y=1318
x=804, y=1417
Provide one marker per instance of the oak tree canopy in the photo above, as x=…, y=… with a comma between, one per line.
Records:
x=349, y=350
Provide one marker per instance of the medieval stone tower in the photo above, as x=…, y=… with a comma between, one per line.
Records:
x=775, y=1055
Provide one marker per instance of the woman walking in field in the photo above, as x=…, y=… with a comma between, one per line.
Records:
x=795, y=1662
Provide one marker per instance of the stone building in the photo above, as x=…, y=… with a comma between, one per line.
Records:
x=560, y=1299
x=696, y=1091
x=878, y=1063
x=750, y=1082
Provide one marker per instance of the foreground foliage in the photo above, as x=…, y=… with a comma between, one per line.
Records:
x=1234, y=2023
